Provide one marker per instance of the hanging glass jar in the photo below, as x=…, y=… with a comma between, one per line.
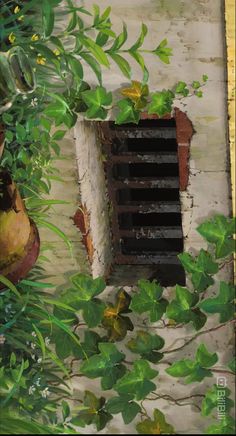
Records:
x=16, y=76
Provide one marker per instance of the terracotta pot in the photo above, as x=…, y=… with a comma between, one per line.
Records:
x=19, y=238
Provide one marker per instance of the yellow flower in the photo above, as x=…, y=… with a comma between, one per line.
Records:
x=16, y=10
x=35, y=37
x=12, y=37
x=21, y=18
x=41, y=60
x=56, y=52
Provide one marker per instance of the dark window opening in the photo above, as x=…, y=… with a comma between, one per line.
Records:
x=125, y=196
x=143, y=145
x=143, y=185
x=145, y=170
x=139, y=246
x=127, y=220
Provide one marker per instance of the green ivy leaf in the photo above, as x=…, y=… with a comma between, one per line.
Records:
x=204, y=358
x=148, y=299
x=92, y=412
x=196, y=84
x=127, y=113
x=114, y=322
x=219, y=231
x=212, y=397
x=81, y=297
x=201, y=268
x=123, y=404
x=205, y=78
x=98, y=101
x=106, y=365
x=232, y=365
x=181, y=88
x=137, y=93
x=64, y=344
x=89, y=346
x=87, y=287
x=182, y=309
x=195, y=370
x=156, y=426
x=163, y=52
x=224, y=426
x=147, y=345
x=199, y=94
x=138, y=381
x=93, y=312
x=161, y=103
x=222, y=304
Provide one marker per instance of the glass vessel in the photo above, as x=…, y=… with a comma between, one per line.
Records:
x=16, y=76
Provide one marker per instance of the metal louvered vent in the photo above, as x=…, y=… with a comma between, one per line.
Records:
x=143, y=185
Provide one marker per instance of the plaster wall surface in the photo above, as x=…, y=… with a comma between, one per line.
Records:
x=195, y=31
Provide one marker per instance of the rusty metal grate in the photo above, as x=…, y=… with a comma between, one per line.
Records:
x=143, y=186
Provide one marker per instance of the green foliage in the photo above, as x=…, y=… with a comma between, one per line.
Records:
x=219, y=231
x=127, y=113
x=114, y=320
x=147, y=345
x=232, y=365
x=226, y=425
x=161, y=103
x=163, y=52
x=149, y=299
x=124, y=405
x=194, y=370
x=137, y=382
x=82, y=297
x=107, y=365
x=201, y=268
x=38, y=332
x=212, y=399
x=222, y=304
x=98, y=101
x=156, y=426
x=181, y=88
x=137, y=93
x=92, y=412
x=183, y=309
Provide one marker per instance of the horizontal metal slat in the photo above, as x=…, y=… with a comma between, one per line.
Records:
x=158, y=207
x=158, y=158
x=161, y=132
x=152, y=232
x=162, y=182
x=148, y=259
